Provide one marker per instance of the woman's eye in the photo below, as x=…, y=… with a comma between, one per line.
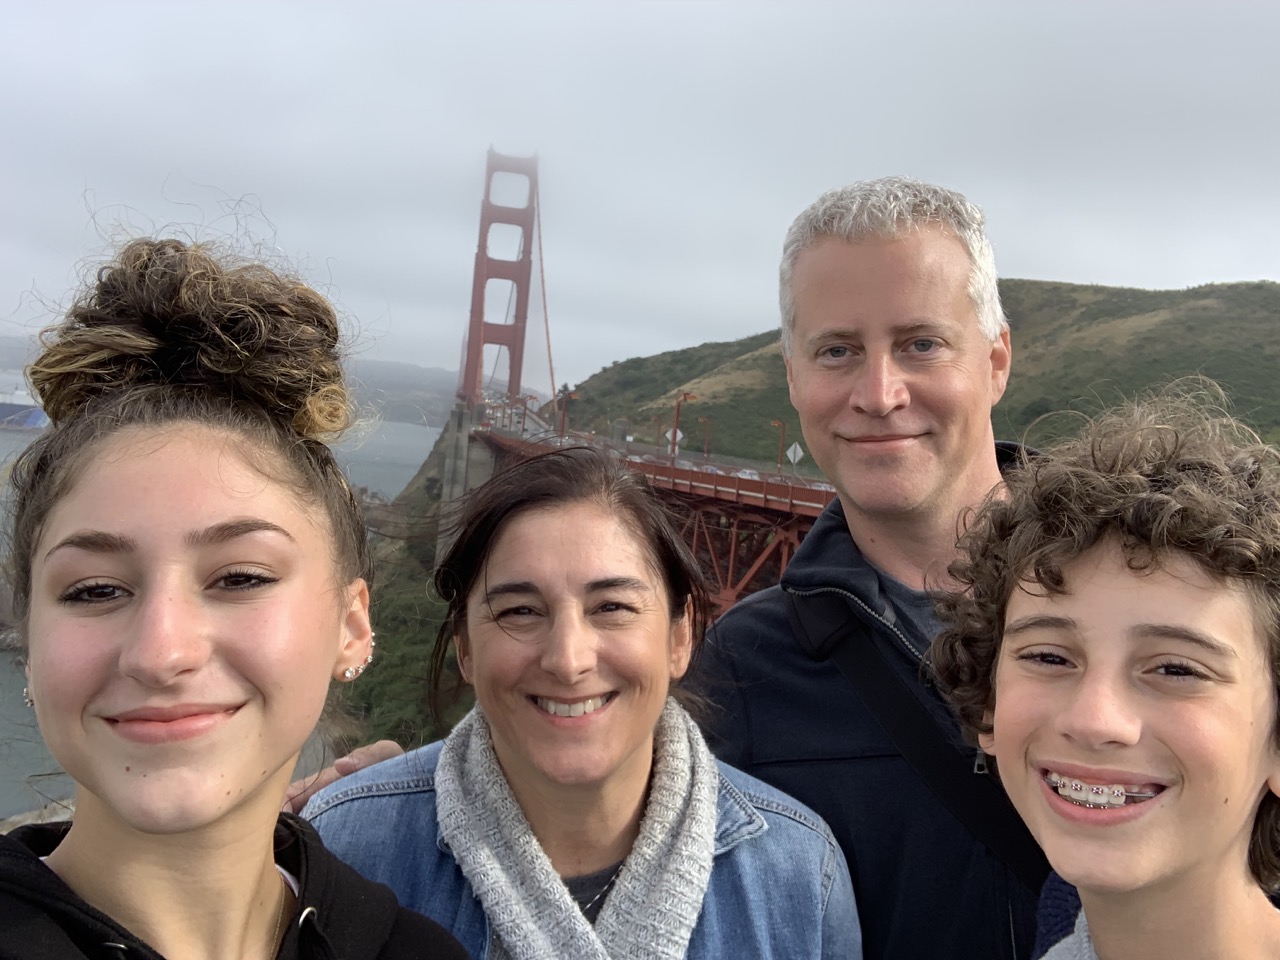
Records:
x=614, y=606
x=518, y=611
x=92, y=593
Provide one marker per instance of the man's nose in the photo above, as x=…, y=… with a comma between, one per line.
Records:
x=879, y=387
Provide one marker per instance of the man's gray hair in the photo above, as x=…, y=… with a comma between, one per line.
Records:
x=887, y=208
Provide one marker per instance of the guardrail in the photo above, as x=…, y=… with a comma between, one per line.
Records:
x=777, y=493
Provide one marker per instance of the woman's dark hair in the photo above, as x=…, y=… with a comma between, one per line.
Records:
x=1170, y=475
x=555, y=479
x=171, y=333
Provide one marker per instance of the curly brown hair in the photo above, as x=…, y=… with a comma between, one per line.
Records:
x=168, y=333
x=1170, y=473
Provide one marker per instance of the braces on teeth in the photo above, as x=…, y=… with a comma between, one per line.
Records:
x=1095, y=797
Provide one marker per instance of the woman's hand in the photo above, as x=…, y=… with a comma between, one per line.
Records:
x=300, y=791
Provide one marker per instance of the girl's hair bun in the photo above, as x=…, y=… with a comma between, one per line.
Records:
x=165, y=313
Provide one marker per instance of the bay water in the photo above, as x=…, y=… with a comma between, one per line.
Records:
x=383, y=459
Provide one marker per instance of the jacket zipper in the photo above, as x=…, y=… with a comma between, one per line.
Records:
x=918, y=655
x=979, y=758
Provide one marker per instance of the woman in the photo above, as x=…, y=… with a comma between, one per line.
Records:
x=189, y=570
x=576, y=811
x=1116, y=649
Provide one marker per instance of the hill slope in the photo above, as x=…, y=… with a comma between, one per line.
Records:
x=1073, y=346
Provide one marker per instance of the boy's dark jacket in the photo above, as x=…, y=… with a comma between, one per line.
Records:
x=340, y=915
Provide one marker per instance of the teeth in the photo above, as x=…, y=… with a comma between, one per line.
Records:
x=1097, y=795
x=576, y=709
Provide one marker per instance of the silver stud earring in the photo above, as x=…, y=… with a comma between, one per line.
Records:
x=349, y=673
x=26, y=697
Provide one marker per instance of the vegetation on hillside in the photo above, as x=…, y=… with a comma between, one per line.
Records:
x=390, y=699
x=1073, y=345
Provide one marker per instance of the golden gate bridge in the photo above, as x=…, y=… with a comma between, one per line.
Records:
x=743, y=525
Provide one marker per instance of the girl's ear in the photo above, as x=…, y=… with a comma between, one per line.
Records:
x=355, y=647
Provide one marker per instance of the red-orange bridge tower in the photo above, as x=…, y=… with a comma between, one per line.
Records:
x=742, y=525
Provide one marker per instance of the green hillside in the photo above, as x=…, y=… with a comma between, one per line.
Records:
x=1078, y=345
x=1074, y=346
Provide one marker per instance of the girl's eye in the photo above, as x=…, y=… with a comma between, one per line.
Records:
x=245, y=580
x=100, y=592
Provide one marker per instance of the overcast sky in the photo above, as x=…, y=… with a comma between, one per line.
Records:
x=1131, y=143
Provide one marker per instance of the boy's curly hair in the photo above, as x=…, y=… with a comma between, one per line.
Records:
x=1172, y=472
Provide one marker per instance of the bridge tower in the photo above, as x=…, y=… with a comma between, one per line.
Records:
x=481, y=331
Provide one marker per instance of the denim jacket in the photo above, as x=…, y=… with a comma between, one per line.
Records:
x=779, y=887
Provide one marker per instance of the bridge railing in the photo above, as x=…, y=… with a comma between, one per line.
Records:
x=780, y=493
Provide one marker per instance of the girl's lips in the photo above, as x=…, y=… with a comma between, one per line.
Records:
x=168, y=724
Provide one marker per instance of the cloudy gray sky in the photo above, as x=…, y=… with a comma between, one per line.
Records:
x=1131, y=143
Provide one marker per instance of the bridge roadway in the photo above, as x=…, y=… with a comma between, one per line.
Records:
x=742, y=529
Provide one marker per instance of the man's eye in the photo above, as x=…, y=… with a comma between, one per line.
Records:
x=836, y=352
x=923, y=346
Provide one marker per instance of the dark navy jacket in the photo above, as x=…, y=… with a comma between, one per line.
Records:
x=925, y=888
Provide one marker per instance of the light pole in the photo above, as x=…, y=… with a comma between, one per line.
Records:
x=782, y=440
x=675, y=426
x=706, y=437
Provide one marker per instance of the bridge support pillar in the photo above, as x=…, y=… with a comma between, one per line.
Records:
x=481, y=331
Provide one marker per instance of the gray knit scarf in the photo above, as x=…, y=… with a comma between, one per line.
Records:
x=653, y=906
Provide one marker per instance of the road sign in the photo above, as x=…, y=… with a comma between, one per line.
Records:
x=679, y=436
x=795, y=454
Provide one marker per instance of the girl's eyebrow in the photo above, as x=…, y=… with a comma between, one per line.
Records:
x=101, y=541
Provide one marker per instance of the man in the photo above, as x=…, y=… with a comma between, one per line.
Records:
x=896, y=350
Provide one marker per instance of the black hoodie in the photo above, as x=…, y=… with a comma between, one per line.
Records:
x=339, y=916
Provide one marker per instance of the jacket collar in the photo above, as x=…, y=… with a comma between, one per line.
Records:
x=737, y=819
x=828, y=557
